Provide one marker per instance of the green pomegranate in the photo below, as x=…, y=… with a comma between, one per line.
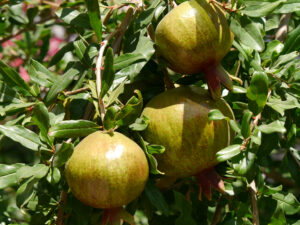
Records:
x=179, y=121
x=107, y=170
x=194, y=37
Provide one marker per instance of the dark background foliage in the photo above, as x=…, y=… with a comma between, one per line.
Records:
x=48, y=101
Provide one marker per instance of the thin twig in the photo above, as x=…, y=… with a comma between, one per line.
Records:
x=283, y=27
x=252, y=125
x=60, y=214
x=279, y=78
x=99, y=78
x=25, y=29
x=68, y=93
x=122, y=29
x=218, y=212
x=254, y=208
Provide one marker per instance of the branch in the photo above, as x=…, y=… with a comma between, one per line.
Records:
x=68, y=93
x=283, y=27
x=279, y=78
x=254, y=208
x=25, y=29
x=99, y=78
x=62, y=201
x=218, y=212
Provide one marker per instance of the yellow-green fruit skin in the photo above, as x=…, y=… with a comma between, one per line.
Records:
x=179, y=121
x=107, y=170
x=193, y=36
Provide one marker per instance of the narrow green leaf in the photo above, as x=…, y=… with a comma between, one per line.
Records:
x=127, y=59
x=260, y=8
x=22, y=135
x=155, y=149
x=228, y=152
x=13, y=108
x=293, y=166
x=248, y=33
x=8, y=95
x=8, y=175
x=40, y=74
x=216, y=114
x=25, y=192
x=95, y=18
x=13, y=79
x=156, y=198
x=292, y=41
x=130, y=111
x=108, y=73
x=245, y=128
x=140, y=124
x=37, y=171
x=276, y=126
x=109, y=118
x=40, y=117
x=280, y=106
x=62, y=153
x=257, y=92
x=60, y=54
x=288, y=203
x=73, y=128
x=62, y=82
x=74, y=17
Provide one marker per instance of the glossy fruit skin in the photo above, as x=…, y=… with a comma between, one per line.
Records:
x=179, y=121
x=193, y=36
x=107, y=170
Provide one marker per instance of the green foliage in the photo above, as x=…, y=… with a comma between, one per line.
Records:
x=44, y=117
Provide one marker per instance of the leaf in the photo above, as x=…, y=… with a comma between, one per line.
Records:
x=228, y=152
x=293, y=165
x=156, y=198
x=13, y=79
x=108, y=73
x=25, y=192
x=216, y=114
x=280, y=106
x=60, y=54
x=140, y=124
x=40, y=117
x=95, y=18
x=260, y=8
x=8, y=95
x=151, y=159
x=283, y=59
x=40, y=74
x=245, y=128
x=73, y=128
x=109, y=118
x=146, y=48
x=257, y=92
x=288, y=7
x=248, y=33
x=185, y=209
x=74, y=17
x=288, y=203
x=274, y=47
x=37, y=171
x=62, y=153
x=8, y=175
x=292, y=41
x=130, y=111
x=62, y=82
x=276, y=126
x=127, y=59
x=22, y=135
x=13, y=108
x=155, y=149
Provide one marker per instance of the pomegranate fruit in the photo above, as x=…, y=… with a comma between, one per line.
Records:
x=194, y=37
x=107, y=170
x=179, y=121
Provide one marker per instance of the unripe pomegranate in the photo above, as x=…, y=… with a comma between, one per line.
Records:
x=107, y=170
x=179, y=121
x=194, y=37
